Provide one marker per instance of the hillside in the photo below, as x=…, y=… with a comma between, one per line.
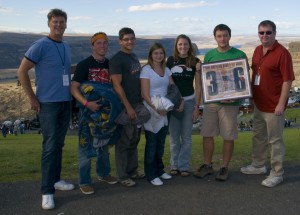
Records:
x=14, y=45
x=14, y=102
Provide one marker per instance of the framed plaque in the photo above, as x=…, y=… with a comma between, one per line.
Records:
x=225, y=80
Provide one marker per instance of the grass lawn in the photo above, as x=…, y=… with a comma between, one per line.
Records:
x=20, y=155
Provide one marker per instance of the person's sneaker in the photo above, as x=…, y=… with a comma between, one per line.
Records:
x=165, y=176
x=157, y=182
x=108, y=179
x=87, y=189
x=128, y=182
x=138, y=175
x=203, y=171
x=62, y=185
x=272, y=181
x=222, y=175
x=252, y=170
x=47, y=202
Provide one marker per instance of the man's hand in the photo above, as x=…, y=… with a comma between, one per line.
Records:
x=35, y=105
x=131, y=112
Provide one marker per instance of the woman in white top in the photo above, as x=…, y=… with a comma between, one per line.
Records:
x=155, y=78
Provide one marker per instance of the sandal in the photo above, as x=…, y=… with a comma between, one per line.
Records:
x=138, y=175
x=128, y=183
x=174, y=172
x=185, y=173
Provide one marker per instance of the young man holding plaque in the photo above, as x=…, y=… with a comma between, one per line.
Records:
x=219, y=118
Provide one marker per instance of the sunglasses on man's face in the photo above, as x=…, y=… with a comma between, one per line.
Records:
x=265, y=32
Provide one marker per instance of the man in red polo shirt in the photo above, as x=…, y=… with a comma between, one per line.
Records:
x=271, y=81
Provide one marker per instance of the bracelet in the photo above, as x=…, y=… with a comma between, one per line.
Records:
x=86, y=103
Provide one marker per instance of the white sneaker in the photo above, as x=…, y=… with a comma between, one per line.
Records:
x=62, y=185
x=272, y=181
x=156, y=182
x=252, y=170
x=165, y=176
x=47, y=202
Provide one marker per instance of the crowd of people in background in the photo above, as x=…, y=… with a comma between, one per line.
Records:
x=118, y=97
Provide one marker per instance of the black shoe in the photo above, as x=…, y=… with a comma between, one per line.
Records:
x=203, y=171
x=222, y=175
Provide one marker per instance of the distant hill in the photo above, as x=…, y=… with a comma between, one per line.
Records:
x=14, y=45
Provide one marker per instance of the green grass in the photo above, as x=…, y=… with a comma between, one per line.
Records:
x=20, y=155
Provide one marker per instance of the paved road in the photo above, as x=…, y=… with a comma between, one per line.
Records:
x=241, y=194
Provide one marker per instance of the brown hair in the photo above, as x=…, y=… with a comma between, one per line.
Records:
x=154, y=47
x=56, y=12
x=191, y=58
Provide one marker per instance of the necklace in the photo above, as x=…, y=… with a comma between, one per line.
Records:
x=100, y=61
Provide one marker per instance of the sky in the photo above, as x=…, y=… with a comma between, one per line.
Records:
x=149, y=18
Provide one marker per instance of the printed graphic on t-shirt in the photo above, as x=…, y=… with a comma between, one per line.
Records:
x=179, y=69
x=99, y=75
x=135, y=67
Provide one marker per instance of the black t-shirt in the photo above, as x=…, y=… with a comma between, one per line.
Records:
x=129, y=67
x=92, y=70
x=182, y=75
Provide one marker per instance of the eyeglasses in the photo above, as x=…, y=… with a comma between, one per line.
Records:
x=127, y=39
x=265, y=32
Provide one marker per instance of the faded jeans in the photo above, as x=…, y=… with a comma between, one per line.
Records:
x=102, y=164
x=54, y=119
x=181, y=138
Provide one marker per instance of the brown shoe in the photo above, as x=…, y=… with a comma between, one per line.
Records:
x=108, y=179
x=87, y=189
x=203, y=171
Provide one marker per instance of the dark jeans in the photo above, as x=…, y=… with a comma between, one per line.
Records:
x=54, y=118
x=127, y=154
x=154, y=151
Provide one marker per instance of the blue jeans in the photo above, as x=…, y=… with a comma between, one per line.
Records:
x=181, y=138
x=154, y=151
x=102, y=164
x=86, y=152
x=54, y=119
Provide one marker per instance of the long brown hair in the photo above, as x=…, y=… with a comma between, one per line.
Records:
x=191, y=58
x=154, y=47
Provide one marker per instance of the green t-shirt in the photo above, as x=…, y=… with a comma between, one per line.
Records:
x=214, y=55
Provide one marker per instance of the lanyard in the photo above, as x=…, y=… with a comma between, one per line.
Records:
x=63, y=59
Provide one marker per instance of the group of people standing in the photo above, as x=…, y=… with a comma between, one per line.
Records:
x=162, y=96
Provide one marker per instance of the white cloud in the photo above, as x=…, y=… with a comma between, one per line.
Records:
x=253, y=17
x=187, y=19
x=166, y=6
x=119, y=10
x=80, y=18
x=46, y=11
x=284, y=25
x=6, y=10
x=12, y=29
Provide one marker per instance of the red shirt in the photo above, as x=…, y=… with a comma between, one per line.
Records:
x=274, y=68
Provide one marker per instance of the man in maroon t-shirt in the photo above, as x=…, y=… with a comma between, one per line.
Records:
x=271, y=81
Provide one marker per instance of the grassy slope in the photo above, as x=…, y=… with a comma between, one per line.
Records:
x=20, y=155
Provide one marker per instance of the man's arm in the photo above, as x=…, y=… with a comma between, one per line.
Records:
x=24, y=79
x=92, y=105
x=286, y=86
x=117, y=80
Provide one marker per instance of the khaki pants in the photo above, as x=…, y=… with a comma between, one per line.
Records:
x=268, y=132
